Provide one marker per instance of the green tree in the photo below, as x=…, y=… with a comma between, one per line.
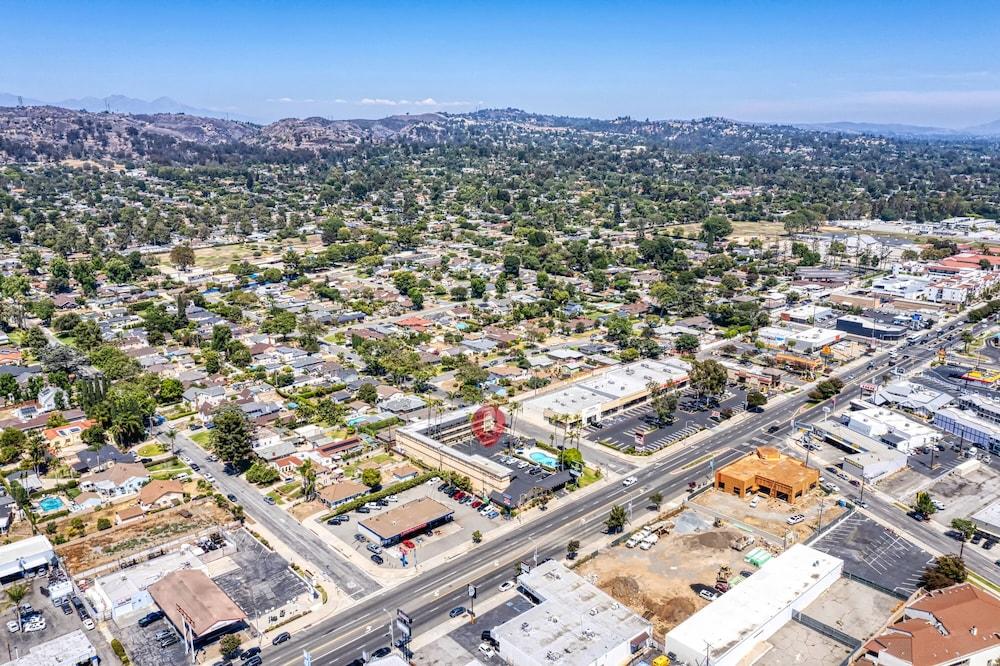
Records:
x=572, y=548
x=687, y=343
x=229, y=645
x=656, y=499
x=925, y=504
x=262, y=474
x=756, y=399
x=708, y=377
x=616, y=519
x=171, y=390
x=182, y=256
x=946, y=571
x=222, y=335
x=477, y=537
x=15, y=595
x=232, y=436
x=278, y=321
x=966, y=528
x=307, y=472
x=103, y=524
x=368, y=393
x=714, y=228
x=371, y=477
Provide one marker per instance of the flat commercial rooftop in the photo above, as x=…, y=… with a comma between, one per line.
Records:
x=406, y=518
x=575, y=622
x=740, y=613
x=25, y=554
x=621, y=382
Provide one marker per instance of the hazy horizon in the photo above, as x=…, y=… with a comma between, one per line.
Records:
x=778, y=62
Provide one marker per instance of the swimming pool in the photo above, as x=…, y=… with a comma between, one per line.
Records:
x=50, y=503
x=542, y=458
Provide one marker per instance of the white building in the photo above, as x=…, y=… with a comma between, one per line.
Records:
x=124, y=596
x=804, y=340
x=892, y=428
x=25, y=555
x=591, y=398
x=574, y=624
x=67, y=650
x=730, y=627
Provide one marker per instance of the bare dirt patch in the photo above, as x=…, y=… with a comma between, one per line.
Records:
x=120, y=543
x=305, y=509
x=662, y=583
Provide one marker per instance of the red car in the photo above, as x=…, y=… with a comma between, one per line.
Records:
x=409, y=544
x=476, y=504
x=458, y=496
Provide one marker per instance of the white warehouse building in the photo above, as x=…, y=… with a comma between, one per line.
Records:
x=728, y=629
x=574, y=624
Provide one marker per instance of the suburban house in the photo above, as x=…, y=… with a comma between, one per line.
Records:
x=118, y=480
x=341, y=493
x=159, y=494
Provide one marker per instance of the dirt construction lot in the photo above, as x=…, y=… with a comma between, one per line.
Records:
x=769, y=518
x=664, y=581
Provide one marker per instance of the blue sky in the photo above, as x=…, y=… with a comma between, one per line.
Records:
x=911, y=62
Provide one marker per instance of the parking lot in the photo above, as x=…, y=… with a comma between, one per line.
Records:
x=461, y=645
x=875, y=554
x=618, y=431
x=262, y=584
x=511, y=452
x=144, y=649
x=57, y=623
x=454, y=533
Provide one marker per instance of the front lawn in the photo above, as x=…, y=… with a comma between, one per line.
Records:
x=202, y=438
x=150, y=450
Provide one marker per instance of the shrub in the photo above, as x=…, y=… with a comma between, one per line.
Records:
x=119, y=651
x=103, y=524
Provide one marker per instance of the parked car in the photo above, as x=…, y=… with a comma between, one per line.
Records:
x=377, y=559
x=13, y=627
x=269, y=500
x=372, y=548
x=281, y=638
x=381, y=652
x=796, y=519
x=169, y=640
x=150, y=618
x=253, y=661
x=708, y=595
x=363, y=509
x=231, y=497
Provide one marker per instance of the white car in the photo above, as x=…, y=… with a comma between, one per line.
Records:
x=35, y=625
x=708, y=595
x=13, y=627
x=487, y=649
x=88, y=624
x=506, y=585
x=629, y=481
x=796, y=519
x=209, y=478
x=755, y=501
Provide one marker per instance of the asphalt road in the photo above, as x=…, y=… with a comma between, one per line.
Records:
x=342, y=638
x=343, y=573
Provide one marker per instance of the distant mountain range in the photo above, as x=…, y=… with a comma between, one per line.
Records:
x=906, y=131
x=123, y=104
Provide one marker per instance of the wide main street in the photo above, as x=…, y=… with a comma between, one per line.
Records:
x=427, y=599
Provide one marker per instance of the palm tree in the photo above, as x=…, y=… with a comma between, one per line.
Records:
x=36, y=453
x=308, y=473
x=15, y=593
x=172, y=436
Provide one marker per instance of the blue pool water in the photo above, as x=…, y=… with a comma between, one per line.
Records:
x=50, y=504
x=543, y=459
